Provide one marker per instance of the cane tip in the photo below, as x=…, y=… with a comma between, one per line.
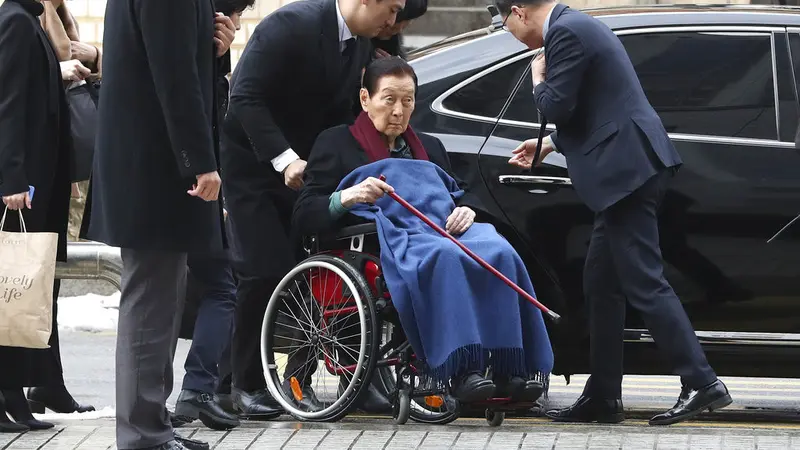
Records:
x=554, y=317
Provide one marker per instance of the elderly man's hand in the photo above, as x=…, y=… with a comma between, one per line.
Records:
x=368, y=191
x=460, y=220
x=539, y=69
x=293, y=175
x=225, y=32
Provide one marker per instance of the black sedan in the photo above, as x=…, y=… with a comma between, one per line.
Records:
x=724, y=80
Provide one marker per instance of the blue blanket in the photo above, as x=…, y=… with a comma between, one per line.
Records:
x=457, y=316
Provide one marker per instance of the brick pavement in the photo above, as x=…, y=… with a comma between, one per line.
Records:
x=374, y=434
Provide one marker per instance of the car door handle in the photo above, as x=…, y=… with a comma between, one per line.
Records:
x=521, y=180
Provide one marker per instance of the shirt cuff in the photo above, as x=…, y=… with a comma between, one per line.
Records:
x=335, y=206
x=283, y=160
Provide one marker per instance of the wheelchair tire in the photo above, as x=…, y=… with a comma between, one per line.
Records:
x=495, y=418
x=365, y=303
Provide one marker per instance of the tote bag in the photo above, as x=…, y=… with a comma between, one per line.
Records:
x=27, y=274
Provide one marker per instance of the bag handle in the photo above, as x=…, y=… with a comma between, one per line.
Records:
x=21, y=221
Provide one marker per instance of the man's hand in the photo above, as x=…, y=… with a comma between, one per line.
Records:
x=368, y=191
x=207, y=186
x=18, y=201
x=224, y=33
x=460, y=220
x=539, y=69
x=293, y=175
x=523, y=155
x=74, y=70
x=83, y=52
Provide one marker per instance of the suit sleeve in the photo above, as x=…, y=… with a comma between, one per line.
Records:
x=260, y=71
x=170, y=36
x=567, y=60
x=321, y=177
x=16, y=39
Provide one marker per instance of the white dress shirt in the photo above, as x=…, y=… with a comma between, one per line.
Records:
x=282, y=161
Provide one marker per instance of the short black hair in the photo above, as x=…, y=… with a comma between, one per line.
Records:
x=504, y=6
x=383, y=67
x=412, y=10
x=229, y=7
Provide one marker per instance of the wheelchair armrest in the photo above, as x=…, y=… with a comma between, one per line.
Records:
x=355, y=230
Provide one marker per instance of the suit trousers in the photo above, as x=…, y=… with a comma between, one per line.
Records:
x=150, y=310
x=624, y=262
x=214, y=323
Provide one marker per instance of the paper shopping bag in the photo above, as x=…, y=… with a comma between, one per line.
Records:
x=27, y=273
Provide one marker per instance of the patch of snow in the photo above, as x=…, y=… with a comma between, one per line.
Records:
x=91, y=312
x=103, y=413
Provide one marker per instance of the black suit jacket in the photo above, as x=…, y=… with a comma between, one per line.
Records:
x=35, y=140
x=290, y=84
x=157, y=121
x=337, y=153
x=612, y=138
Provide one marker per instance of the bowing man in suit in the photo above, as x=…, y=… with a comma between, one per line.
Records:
x=620, y=161
x=295, y=78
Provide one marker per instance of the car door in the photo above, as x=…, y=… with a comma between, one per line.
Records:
x=719, y=92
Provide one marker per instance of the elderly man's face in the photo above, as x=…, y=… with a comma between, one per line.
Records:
x=397, y=28
x=391, y=105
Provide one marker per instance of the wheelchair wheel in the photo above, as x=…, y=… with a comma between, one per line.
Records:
x=495, y=418
x=322, y=310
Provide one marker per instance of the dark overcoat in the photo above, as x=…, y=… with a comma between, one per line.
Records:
x=35, y=146
x=156, y=129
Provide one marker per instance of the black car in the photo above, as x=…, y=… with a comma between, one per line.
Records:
x=724, y=80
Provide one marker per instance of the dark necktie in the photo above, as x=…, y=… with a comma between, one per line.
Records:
x=347, y=53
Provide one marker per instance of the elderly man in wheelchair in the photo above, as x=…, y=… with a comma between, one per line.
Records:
x=382, y=295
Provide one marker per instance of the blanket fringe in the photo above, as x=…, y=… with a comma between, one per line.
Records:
x=473, y=357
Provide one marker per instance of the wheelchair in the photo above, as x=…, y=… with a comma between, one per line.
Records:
x=333, y=312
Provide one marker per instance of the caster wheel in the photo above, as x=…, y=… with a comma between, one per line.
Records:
x=495, y=418
x=402, y=409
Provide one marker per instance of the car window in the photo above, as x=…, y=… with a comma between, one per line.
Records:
x=718, y=84
x=486, y=96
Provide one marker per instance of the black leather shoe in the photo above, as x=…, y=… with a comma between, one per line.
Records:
x=178, y=421
x=517, y=389
x=17, y=408
x=472, y=387
x=56, y=399
x=692, y=402
x=204, y=406
x=190, y=444
x=374, y=399
x=588, y=409
x=256, y=405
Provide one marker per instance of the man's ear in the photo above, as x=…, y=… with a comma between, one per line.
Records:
x=363, y=95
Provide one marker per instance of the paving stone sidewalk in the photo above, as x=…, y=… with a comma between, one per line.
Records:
x=374, y=434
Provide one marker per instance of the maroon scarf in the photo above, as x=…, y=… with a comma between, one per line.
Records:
x=370, y=140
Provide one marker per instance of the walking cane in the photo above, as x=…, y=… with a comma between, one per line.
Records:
x=550, y=313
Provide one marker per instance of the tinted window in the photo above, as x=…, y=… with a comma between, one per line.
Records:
x=487, y=95
x=708, y=83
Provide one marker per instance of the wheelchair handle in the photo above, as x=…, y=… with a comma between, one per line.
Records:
x=550, y=313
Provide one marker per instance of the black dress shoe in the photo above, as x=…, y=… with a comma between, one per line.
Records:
x=56, y=399
x=190, y=444
x=204, y=406
x=472, y=387
x=373, y=399
x=17, y=408
x=588, y=409
x=7, y=426
x=178, y=421
x=517, y=389
x=256, y=405
x=692, y=402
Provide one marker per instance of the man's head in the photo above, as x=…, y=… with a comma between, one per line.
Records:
x=388, y=94
x=234, y=9
x=368, y=17
x=525, y=19
x=412, y=10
